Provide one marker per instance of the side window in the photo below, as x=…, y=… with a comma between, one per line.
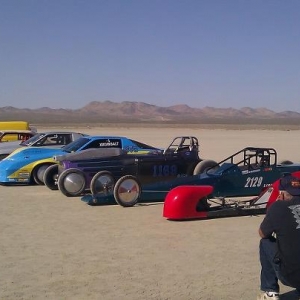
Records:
x=93, y=144
x=51, y=140
x=67, y=139
x=63, y=139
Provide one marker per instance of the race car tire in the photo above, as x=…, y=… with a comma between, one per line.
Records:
x=38, y=173
x=127, y=191
x=50, y=177
x=205, y=165
x=286, y=162
x=71, y=182
x=102, y=183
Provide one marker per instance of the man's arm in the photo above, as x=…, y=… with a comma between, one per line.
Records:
x=268, y=225
x=261, y=234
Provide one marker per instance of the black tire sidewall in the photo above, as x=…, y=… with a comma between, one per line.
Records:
x=48, y=177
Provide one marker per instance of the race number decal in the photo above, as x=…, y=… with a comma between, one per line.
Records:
x=253, y=182
x=164, y=170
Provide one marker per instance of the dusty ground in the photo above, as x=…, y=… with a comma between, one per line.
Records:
x=54, y=247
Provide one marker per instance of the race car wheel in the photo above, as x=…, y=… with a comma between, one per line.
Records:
x=127, y=191
x=286, y=162
x=38, y=173
x=71, y=182
x=50, y=177
x=102, y=183
x=206, y=165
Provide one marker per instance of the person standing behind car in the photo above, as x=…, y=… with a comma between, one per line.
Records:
x=279, y=247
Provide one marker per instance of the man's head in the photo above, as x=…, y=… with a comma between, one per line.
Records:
x=289, y=186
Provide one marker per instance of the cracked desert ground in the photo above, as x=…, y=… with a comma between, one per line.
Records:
x=55, y=247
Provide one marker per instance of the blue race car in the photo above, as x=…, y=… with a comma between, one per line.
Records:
x=86, y=170
x=27, y=166
x=245, y=173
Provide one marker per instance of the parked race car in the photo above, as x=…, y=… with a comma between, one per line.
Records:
x=195, y=202
x=95, y=170
x=245, y=173
x=53, y=139
x=28, y=165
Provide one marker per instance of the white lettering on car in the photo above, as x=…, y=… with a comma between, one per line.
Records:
x=253, y=182
x=108, y=144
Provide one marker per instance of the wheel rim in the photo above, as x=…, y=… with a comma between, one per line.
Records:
x=74, y=183
x=103, y=184
x=128, y=191
x=53, y=182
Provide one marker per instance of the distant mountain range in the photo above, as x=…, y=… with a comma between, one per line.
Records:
x=136, y=112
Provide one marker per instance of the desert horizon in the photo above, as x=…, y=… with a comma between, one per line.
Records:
x=108, y=113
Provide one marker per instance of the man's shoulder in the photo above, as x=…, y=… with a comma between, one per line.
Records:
x=286, y=203
x=295, y=200
x=278, y=206
x=281, y=207
x=279, y=203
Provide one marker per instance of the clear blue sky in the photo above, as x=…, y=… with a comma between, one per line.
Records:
x=219, y=53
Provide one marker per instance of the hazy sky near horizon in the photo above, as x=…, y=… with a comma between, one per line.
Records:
x=233, y=53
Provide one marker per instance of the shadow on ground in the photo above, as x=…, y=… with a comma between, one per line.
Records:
x=292, y=295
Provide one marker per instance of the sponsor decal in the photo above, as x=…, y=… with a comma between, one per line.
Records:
x=295, y=183
x=250, y=171
x=254, y=171
x=24, y=175
x=267, y=169
x=109, y=143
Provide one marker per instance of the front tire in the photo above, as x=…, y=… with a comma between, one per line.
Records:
x=71, y=182
x=50, y=177
x=127, y=191
x=38, y=173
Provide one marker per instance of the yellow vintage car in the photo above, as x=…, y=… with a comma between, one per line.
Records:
x=14, y=125
x=16, y=135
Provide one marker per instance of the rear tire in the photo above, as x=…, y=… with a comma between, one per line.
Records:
x=204, y=166
x=71, y=182
x=50, y=177
x=286, y=162
x=38, y=173
x=127, y=191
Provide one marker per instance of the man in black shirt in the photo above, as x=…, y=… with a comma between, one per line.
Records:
x=280, y=241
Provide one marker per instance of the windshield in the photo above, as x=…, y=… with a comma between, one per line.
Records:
x=33, y=139
x=74, y=146
x=142, y=145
